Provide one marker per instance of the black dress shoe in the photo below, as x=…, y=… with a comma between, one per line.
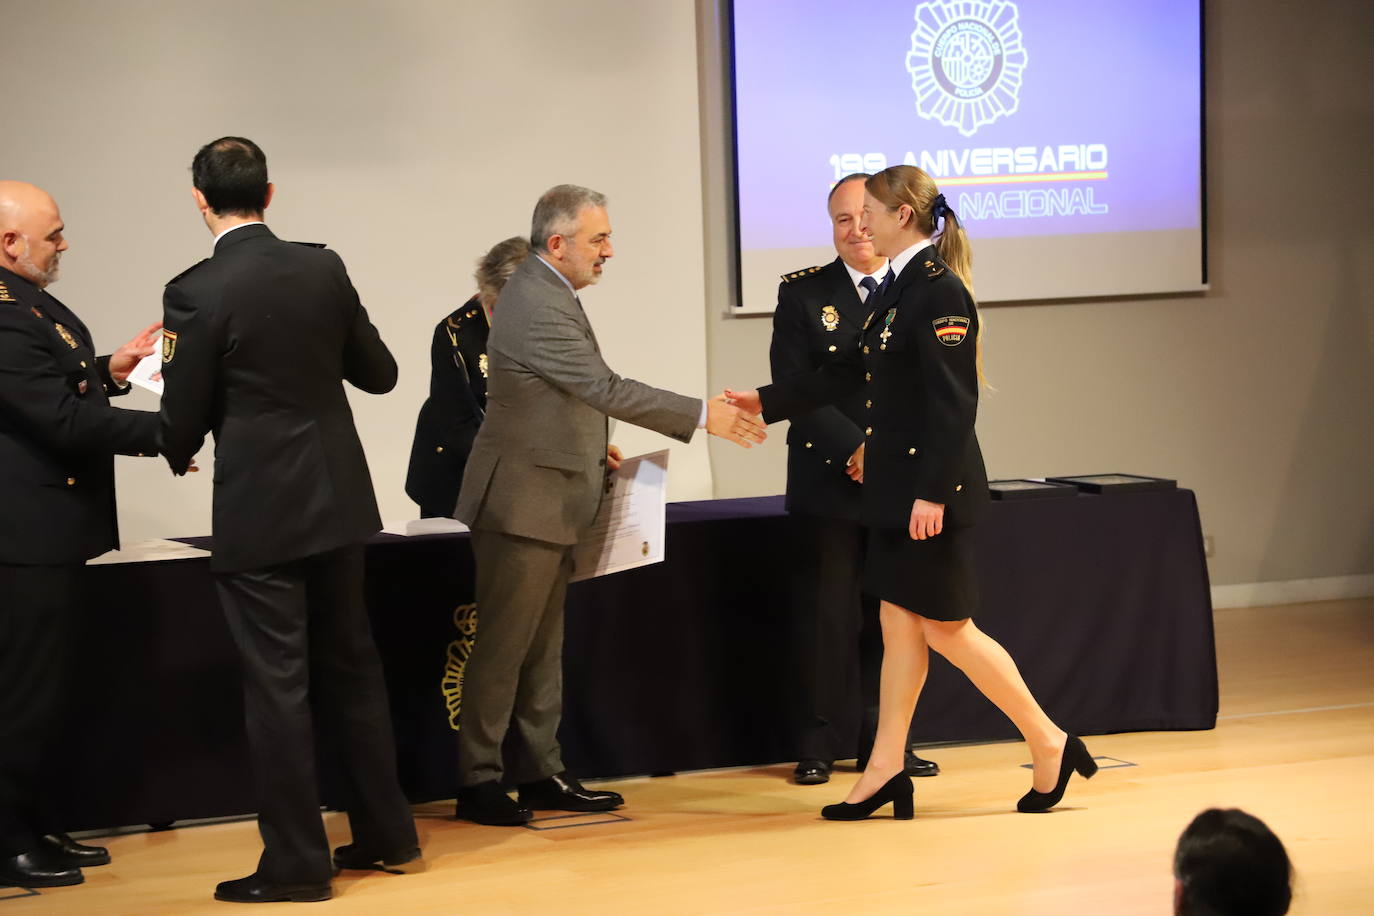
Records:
x=812, y=772
x=897, y=790
x=60, y=849
x=1076, y=757
x=562, y=792
x=32, y=869
x=486, y=803
x=256, y=889
x=919, y=766
x=401, y=862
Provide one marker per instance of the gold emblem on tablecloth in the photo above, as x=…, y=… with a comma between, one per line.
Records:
x=830, y=318
x=459, y=651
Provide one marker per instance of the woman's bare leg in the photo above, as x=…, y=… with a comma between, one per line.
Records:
x=993, y=672
x=906, y=659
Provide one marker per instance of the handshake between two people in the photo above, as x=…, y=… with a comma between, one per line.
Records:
x=736, y=421
x=750, y=403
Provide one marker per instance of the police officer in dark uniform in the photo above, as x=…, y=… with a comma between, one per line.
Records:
x=258, y=342
x=838, y=650
x=457, y=402
x=58, y=439
x=919, y=368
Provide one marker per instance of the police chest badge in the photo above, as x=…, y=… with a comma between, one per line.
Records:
x=951, y=330
x=830, y=318
x=169, y=345
x=66, y=336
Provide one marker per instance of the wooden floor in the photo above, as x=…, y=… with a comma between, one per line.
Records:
x=1294, y=745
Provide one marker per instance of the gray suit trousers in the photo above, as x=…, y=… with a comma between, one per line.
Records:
x=514, y=677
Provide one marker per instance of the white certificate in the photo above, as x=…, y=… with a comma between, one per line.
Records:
x=630, y=526
x=148, y=373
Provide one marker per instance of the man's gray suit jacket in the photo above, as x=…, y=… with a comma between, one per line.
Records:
x=538, y=465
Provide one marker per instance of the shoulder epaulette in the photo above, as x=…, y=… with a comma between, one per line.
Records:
x=798, y=274
x=311, y=244
x=187, y=271
x=469, y=313
x=933, y=269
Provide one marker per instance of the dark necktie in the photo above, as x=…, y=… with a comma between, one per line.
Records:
x=875, y=289
x=869, y=284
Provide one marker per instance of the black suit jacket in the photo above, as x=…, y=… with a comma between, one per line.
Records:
x=818, y=321
x=258, y=341
x=919, y=385
x=452, y=414
x=58, y=432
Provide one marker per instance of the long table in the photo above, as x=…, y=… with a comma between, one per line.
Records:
x=1102, y=600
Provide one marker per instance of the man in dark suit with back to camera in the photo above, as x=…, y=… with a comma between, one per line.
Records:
x=58, y=439
x=258, y=341
x=531, y=489
x=838, y=649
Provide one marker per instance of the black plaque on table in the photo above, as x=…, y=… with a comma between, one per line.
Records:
x=1116, y=483
x=1028, y=489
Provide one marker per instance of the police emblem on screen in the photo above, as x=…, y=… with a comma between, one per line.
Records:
x=966, y=62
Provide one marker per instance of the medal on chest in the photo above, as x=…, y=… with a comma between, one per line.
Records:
x=66, y=336
x=887, y=328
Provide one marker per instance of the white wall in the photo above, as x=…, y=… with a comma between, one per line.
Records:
x=410, y=136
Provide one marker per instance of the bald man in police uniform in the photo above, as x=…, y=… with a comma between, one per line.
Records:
x=58, y=439
x=838, y=647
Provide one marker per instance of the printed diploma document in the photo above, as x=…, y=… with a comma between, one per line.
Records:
x=630, y=525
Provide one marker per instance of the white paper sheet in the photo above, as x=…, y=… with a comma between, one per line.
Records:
x=143, y=373
x=154, y=551
x=630, y=527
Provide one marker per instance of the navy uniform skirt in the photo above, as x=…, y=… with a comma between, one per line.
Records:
x=933, y=578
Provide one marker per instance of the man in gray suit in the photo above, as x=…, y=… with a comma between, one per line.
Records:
x=532, y=487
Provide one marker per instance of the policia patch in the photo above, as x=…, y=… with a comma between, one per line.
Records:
x=169, y=345
x=951, y=330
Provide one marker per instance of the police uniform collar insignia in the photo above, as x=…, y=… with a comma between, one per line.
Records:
x=5, y=293
x=66, y=336
x=169, y=345
x=830, y=318
x=951, y=330
x=933, y=269
x=798, y=274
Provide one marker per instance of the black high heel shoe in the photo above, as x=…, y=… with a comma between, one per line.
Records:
x=1076, y=757
x=896, y=790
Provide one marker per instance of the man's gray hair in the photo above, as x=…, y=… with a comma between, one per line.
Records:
x=557, y=210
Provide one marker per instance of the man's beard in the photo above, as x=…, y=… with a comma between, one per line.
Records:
x=39, y=278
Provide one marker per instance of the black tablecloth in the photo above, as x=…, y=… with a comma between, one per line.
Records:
x=1102, y=600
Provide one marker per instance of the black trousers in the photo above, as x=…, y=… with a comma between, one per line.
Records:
x=37, y=608
x=309, y=661
x=837, y=640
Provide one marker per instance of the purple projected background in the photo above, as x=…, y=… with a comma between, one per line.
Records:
x=820, y=80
